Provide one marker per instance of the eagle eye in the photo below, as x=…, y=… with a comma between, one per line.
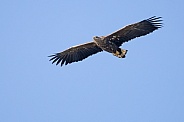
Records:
x=95, y=37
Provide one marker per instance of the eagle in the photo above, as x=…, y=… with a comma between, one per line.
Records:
x=110, y=43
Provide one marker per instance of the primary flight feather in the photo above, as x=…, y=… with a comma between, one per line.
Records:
x=109, y=43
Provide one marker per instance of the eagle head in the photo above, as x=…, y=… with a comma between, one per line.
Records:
x=96, y=37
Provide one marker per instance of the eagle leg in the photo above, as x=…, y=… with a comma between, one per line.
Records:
x=120, y=53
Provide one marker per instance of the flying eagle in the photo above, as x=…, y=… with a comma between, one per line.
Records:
x=109, y=43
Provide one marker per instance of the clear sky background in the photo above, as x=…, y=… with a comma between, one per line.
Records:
x=146, y=86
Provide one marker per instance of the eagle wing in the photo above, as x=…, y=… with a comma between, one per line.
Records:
x=135, y=30
x=75, y=53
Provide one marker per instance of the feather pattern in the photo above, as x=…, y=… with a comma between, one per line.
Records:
x=135, y=30
x=75, y=54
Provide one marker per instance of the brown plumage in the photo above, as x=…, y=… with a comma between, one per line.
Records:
x=109, y=43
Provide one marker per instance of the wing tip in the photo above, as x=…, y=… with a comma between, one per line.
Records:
x=55, y=58
x=58, y=58
x=156, y=21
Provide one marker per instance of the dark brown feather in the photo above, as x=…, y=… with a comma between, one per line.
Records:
x=135, y=30
x=75, y=54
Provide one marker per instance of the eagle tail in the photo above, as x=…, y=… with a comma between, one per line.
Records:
x=120, y=53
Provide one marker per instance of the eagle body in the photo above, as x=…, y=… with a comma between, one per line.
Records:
x=102, y=42
x=110, y=43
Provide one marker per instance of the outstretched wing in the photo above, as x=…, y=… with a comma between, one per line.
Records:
x=75, y=54
x=135, y=30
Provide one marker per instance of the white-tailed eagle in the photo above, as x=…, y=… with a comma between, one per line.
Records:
x=109, y=43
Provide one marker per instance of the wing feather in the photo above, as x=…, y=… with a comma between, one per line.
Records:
x=75, y=54
x=135, y=30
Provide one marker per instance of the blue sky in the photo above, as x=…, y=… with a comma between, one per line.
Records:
x=146, y=86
